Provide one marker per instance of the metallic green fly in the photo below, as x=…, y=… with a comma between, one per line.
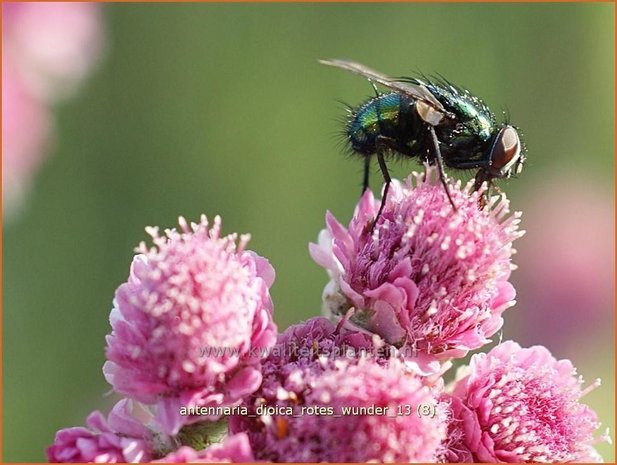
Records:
x=431, y=120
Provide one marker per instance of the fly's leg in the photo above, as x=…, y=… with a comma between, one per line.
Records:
x=382, y=146
x=483, y=176
x=367, y=168
x=374, y=88
x=440, y=166
x=387, y=179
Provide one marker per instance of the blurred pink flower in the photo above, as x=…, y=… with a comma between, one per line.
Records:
x=428, y=278
x=47, y=51
x=233, y=449
x=192, y=323
x=53, y=45
x=568, y=259
x=119, y=438
x=25, y=132
x=521, y=405
x=314, y=364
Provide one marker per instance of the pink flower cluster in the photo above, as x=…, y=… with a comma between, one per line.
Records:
x=323, y=370
x=521, y=405
x=116, y=439
x=425, y=278
x=47, y=51
x=193, y=328
x=193, y=291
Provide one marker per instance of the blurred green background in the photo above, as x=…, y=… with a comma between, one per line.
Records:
x=223, y=109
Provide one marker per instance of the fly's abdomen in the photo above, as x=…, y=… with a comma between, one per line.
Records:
x=385, y=115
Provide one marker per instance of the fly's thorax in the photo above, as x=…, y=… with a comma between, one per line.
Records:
x=472, y=122
x=462, y=145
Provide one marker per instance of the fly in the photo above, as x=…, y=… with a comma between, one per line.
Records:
x=433, y=121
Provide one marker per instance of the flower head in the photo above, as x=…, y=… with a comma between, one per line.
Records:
x=302, y=349
x=306, y=345
x=233, y=449
x=119, y=438
x=426, y=277
x=522, y=405
x=317, y=374
x=192, y=323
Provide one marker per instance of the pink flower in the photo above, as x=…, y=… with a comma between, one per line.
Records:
x=315, y=365
x=54, y=45
x=119, y=438
x=47, y=51
x=428, y=278
x=191, y=324
x=25, y=132
x=305, y=345
x=301, y=349
x=522, y=405
x=570, y=286
x=233, y=449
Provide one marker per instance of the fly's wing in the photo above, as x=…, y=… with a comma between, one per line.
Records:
x=429, y=108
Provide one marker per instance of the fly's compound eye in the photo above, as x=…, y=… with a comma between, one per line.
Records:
x=506, y=153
